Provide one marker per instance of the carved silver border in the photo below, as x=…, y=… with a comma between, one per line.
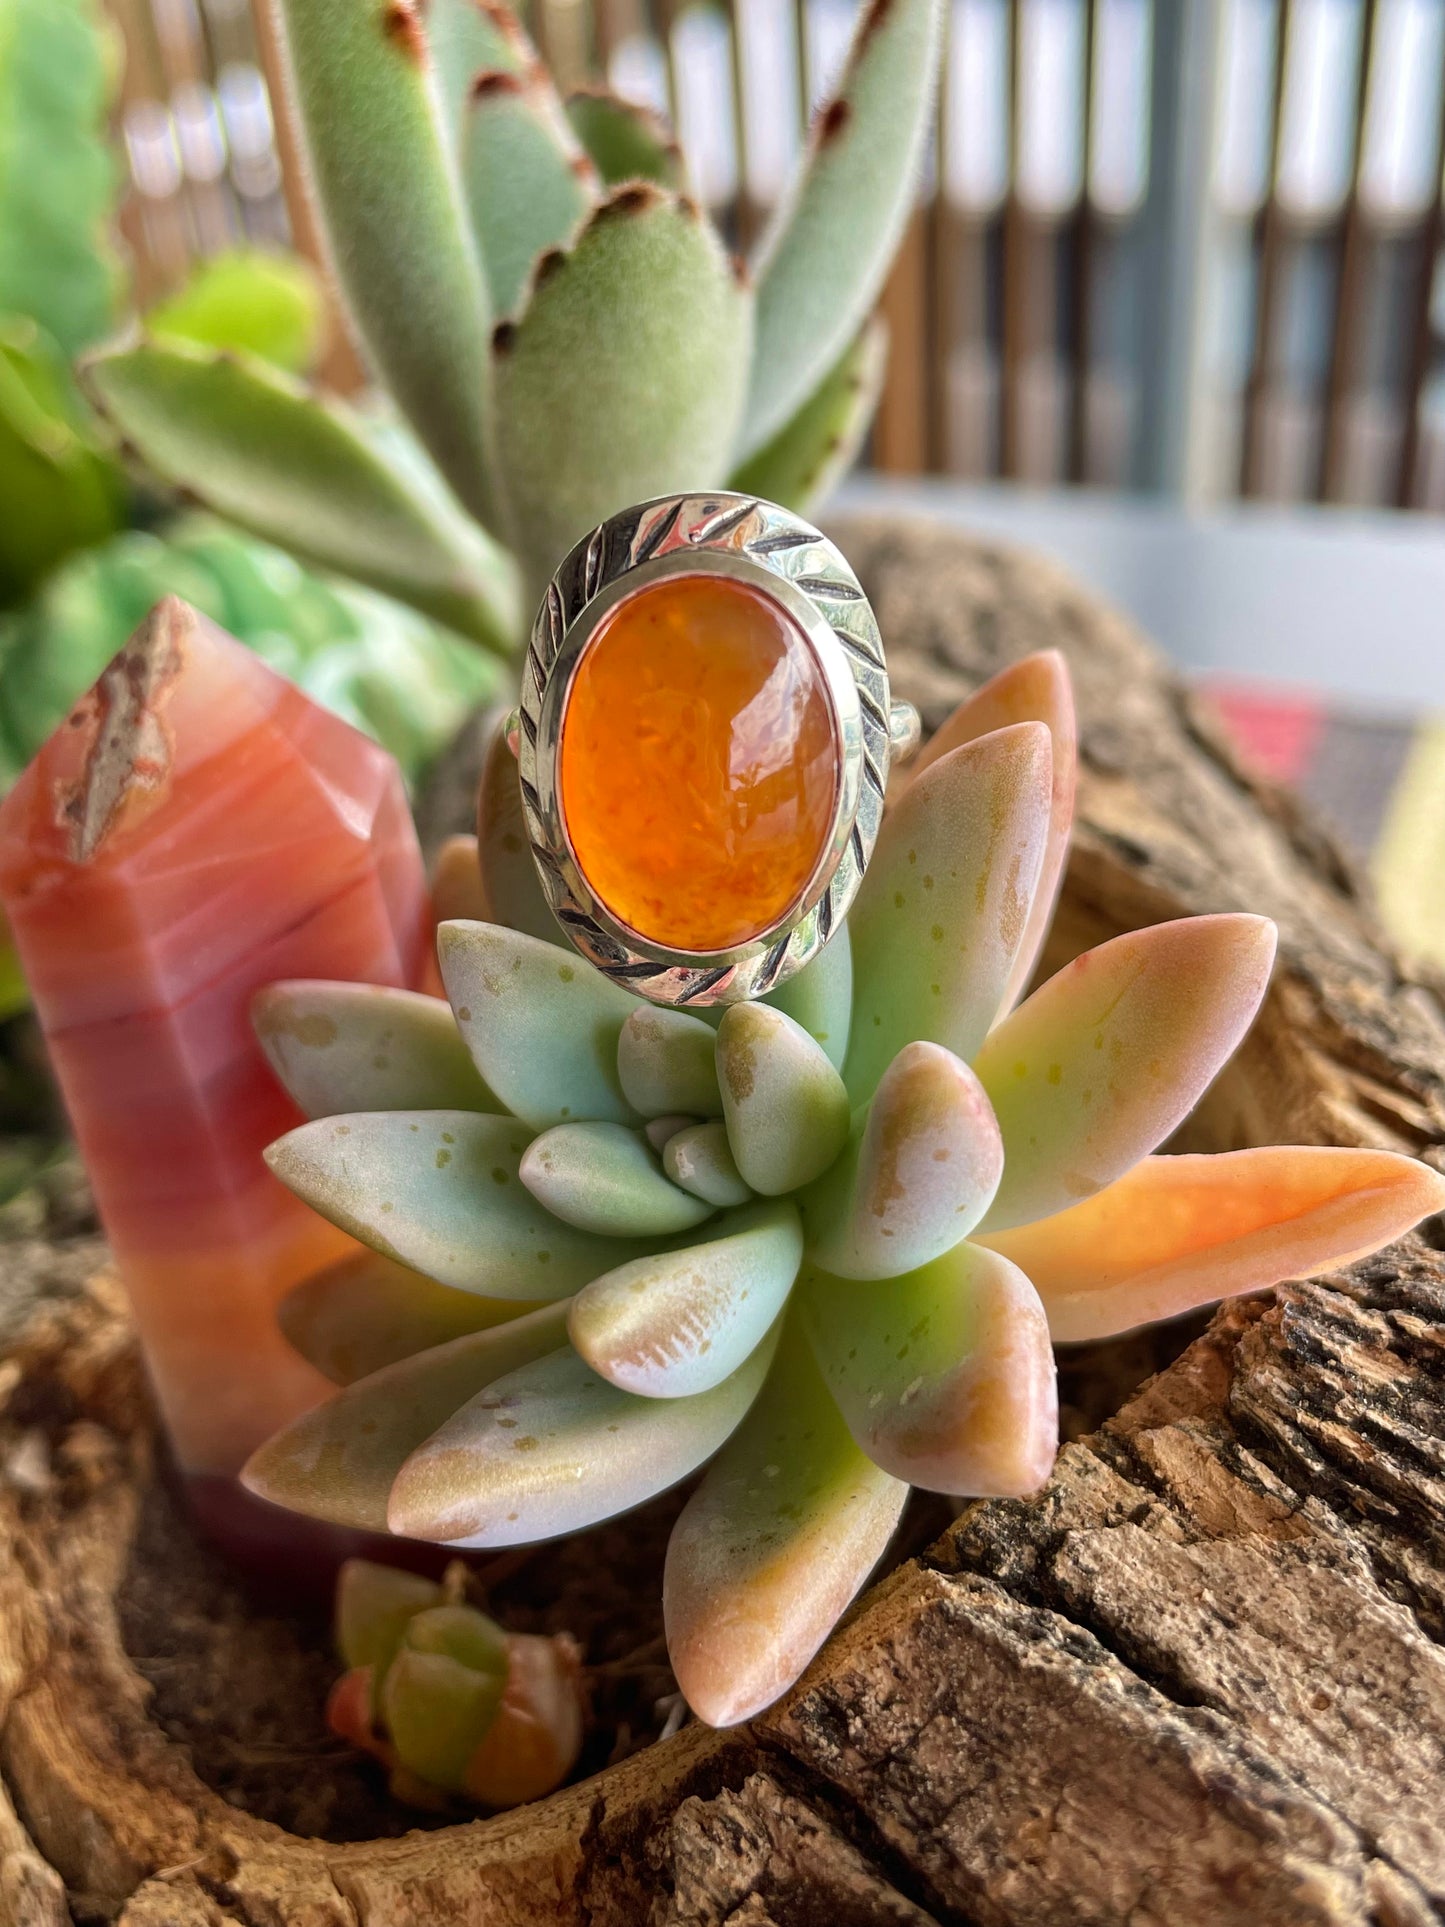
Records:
x=750, y=540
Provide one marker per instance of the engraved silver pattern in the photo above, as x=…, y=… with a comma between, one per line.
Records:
x=756, y=542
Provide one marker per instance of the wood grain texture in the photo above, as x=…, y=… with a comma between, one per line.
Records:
x=1200, y=1679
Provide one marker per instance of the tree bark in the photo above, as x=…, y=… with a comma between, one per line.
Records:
x=1199, y=1679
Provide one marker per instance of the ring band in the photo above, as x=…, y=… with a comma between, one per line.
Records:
x=755, y=554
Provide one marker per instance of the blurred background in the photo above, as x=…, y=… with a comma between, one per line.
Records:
x=1172, y=307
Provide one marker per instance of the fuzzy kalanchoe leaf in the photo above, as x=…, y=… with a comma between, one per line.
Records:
x=388, y=188
x=249, y=443
x=824, y=261
x=528, y=183
x=606, y=395
x=951, y=1180
x=627, y=142
x=814, y=450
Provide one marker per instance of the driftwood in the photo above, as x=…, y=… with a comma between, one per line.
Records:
x=1199, y=1679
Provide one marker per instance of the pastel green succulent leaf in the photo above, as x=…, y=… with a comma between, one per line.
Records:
x=783, y=1532
x=945, y=1376
x=374, y=1606
x=607, y=1179
x=255, y=447
x=810, y=455
x=338, y=1461
x=943, y=909
x=470, y=37
x=624, y=376
x=367, y=1311
x=660, y=1131
x=680, y=1322
x=700, y=1159
x=366, y=1047
x=257, y=302
x=1109, y=1057
x=385, y=175
x=553, y=1448
x=820, y=997
x=440, y=1191
x=438, y=1710
x=822, y=264
x=542, y=1025
x=784, y=1104
x=627, y=142
x=1178, y=1232
x=528, y=183
x=509, y=874
x=920, y=1170
x=666, y=1063
x=57, y=180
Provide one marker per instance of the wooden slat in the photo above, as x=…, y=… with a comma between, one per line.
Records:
x=1082, y=266
x=1356, y=254
x=1272, y=243
x=1431, y=243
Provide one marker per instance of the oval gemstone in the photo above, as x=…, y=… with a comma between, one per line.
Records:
x=698, y=763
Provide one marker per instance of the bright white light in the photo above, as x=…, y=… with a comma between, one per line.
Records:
x=1402, y=109
x=976, y=106
x=1051, y=104
x=769, y=49
x=1119, y=160
x=1317, y=113
x=638, y=71
x=829, y=26
x=702, y=62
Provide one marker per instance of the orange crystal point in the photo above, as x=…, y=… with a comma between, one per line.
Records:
x=197, y=828
x=699, y=763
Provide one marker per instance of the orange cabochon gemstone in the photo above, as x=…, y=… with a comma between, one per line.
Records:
x=699, y=763
x=195, y=829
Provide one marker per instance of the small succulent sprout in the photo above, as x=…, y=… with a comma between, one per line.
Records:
x=848, y=1282
x=452, y=1704
x=558, y=326
x=700, y=1158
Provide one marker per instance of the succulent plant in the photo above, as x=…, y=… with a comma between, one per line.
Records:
x=558, y=325
x=450, y=1703
x=821, y=1245
x=403, y=679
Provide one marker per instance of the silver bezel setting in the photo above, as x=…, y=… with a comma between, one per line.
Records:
x=751, y=541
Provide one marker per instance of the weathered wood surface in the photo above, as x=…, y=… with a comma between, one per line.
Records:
x=1200, y=1679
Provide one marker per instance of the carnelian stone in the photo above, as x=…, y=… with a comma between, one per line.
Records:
x=195, y=829
x=699, y=763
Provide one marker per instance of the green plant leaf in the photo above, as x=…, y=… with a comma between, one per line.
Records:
x=368, y=1311
x=919, y=1172
x=374, y=1606
x=945, y=1376
x=366, y=1047
x=339, y=1460
x=386, y=184
x=812, y=453
x=528, y=183
x=822, y=264
x=666, y=1063
x=57, y=178
x=779, y=1537
x=607, y=1179
x=553, y=1448
x=471, y=37
x=258, y=449
x=541, y=1024
x=1109, y=1057
x=439, y=1190
x=624, y=376
x=627, y=142
x=700, y=1159
x=784, y=1104
x=437, y=1712
x=677, y=1323
x=264, y=304
x=820, y=996
x=944, y=907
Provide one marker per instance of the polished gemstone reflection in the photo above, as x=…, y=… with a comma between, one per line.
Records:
x=699, y=763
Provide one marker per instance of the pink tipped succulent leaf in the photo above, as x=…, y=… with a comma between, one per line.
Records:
x=1178, y=1232
x=1035, y=689
x=942, y=913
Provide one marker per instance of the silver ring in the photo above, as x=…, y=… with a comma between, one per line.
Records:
x=773, y=551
